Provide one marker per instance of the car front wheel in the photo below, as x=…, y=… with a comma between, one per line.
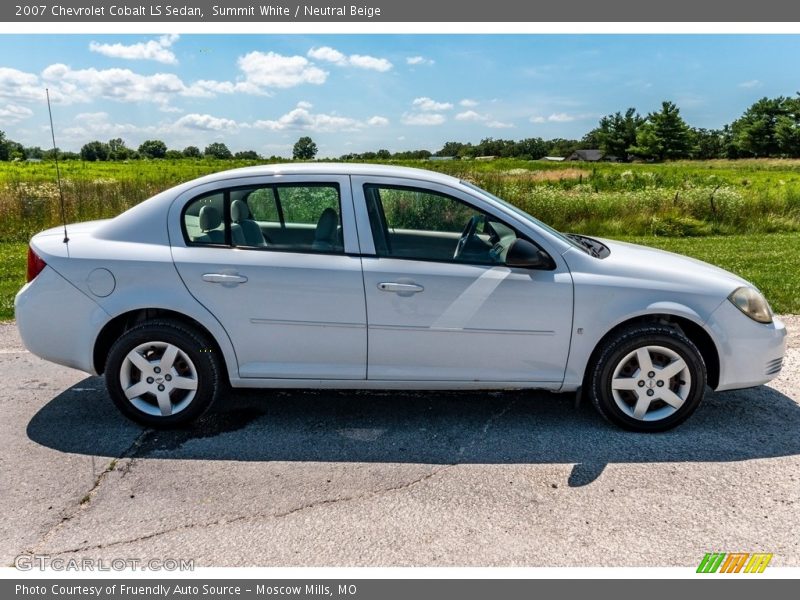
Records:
x=649, y=378
x=162, y=374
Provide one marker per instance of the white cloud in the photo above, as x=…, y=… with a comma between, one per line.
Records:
x=468, y=103
x=499, y=125
x=158, y=50
x=271, y=70
x=328, y=54
x=418, y=60
x=361, y=61
x=370, y=62
x=428, y=104
x=753, y=83
x=208, y=88
x=426, y=118
x=301, y=118
x=377, y=121
x=20, y=86
x=85, y=127
x=560, y=117
x=123, y=85
x=12, y=113
x=470, y=115
x=304, y=104
x=206, y=123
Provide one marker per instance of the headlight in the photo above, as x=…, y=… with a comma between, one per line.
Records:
x=752, y=303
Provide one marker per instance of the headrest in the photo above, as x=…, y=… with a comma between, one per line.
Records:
x=239, y=211
x=326, y=227
x=210, y=218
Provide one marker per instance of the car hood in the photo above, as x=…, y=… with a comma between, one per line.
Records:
x=659, y=268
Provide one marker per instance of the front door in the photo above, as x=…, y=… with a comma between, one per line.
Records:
x=442, y=305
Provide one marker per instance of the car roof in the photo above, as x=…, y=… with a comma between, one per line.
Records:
x=330, y=168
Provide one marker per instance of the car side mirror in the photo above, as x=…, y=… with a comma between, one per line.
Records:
x=525, y=255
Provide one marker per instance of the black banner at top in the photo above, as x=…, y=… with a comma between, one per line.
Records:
x=388, y=11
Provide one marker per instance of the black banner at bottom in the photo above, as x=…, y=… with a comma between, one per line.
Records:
x=388, y=589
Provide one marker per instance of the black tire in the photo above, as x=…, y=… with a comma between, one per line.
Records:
x=653, y=335
x=203, y=366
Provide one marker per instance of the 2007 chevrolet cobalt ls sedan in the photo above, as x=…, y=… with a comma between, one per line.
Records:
x=363, y=276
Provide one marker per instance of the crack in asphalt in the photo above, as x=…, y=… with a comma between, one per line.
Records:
x=259, y=516
x=86, y=501
x=493, y=418
x=140, y=441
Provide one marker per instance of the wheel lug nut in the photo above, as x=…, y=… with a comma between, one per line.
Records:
x=660, y=383
x=168, y=377
x=641, y=383
x=650, y=392
x=161, y=388
x=158, y=370
x=651, y=374
x=150, y=380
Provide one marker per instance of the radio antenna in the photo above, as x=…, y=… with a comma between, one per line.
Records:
x=58, y=170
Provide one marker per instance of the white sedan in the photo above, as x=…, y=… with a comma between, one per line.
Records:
x=374, y=277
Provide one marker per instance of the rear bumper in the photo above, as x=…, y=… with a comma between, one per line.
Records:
x=58, y=322
x=750, y=353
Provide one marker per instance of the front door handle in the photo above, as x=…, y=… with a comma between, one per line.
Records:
x=224, y=278
x=404, y=289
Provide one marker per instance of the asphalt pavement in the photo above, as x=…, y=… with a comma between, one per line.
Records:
x=299, y=478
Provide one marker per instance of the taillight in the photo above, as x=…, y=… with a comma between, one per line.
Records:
x=35, y=264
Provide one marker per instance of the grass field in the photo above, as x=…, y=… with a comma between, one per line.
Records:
x=741, y=215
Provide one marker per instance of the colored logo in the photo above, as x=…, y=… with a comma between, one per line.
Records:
x=734, y=562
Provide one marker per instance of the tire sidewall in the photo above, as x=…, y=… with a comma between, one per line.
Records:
x=189, y=342
x=626, y=343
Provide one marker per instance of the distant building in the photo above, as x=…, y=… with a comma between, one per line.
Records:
x=485, y=157
x=442, y=158
x=553, y=158
x=592, y=155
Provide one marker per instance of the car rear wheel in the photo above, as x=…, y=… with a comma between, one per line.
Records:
x=163, y=374
x=649, y=378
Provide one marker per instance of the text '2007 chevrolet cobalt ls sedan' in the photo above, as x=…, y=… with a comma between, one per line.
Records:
x=366, y=276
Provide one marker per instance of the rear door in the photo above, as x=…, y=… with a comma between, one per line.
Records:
x=290, y=295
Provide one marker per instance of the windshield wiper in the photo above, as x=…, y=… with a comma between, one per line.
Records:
x=586, y=244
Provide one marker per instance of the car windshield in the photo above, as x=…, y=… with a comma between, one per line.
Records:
x=525, y=215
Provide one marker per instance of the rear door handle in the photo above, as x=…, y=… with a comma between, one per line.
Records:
x=404, y=289
x=224, y=278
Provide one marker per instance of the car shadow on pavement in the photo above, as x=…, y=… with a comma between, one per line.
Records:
x=423, y=427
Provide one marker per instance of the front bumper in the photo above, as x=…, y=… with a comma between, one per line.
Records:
x=750, y=353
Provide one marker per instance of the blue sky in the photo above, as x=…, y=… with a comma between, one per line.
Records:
x=353, y=93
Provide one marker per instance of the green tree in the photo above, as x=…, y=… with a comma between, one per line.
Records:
x=93, y=151
x=755, y=132
x=451, y=149
x=192, y=152
x=787, y=128
x=383, y=154
x=34, y=152
x=529, y=149
x=153, y=149
x=117, y=150
x=708, y=143
x=247, y=155
x=173, y=154
x=304, y=149
x=616, y=133
x=664, y=135
x=218, y=150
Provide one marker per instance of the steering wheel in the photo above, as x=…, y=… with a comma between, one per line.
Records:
x=469, y=231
